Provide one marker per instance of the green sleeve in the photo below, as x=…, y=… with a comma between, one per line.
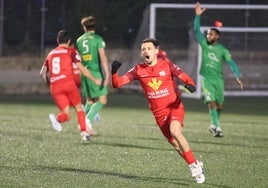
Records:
x=234, y=68
x=199, y=35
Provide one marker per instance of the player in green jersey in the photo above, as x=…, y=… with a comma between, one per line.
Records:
x=213, y=55
x=91, y=48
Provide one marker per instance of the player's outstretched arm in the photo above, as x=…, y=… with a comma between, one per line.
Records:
x=198, y=9
x=190, y=87
x=189, y=82
x=115, y=66
x=118, y=81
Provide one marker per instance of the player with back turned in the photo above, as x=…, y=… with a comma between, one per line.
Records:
x=213, y=55
x=156, y=79
x=91, y=48
x=57, y=72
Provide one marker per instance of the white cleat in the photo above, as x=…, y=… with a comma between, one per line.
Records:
x=89, y=128
x=55, y=123
x=85, y=136
x=212, y=129
x=219, y=132
x=197, y=171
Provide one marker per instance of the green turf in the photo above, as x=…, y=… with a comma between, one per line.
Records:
x=130, y=150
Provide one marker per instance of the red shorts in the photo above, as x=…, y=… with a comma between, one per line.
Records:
x=65, y=94
x=164, y=117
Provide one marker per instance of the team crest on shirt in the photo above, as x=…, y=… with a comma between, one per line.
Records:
x=155, y=84
x=162, y=73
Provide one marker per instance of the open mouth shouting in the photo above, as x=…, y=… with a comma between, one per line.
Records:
x=147, y=59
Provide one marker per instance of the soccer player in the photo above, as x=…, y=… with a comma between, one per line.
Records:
x=91, y=48
x=77, y=78
x=57, y=71
x=213, y=55
x=156, y=79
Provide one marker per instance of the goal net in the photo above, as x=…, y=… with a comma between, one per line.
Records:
x=244, y=33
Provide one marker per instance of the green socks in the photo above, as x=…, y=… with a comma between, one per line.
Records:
x=95, y=108
x=87, y=107
x=214, y=117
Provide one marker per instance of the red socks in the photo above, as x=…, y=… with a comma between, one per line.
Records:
x=81, y=118
x=189, y=157
x=62, y=117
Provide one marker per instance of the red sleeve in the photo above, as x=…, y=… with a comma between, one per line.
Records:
x=75, y=56
x=118, y=81
x=180, y=74
x=186, y=79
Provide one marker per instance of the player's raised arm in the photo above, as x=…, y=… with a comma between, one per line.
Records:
x=198, y=12
x=198, y=9
x=118, y=81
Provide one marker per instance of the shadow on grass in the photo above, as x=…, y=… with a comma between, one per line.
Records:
x=174, y=181
x=227, y=144
x=118, y=175
x=127, y=146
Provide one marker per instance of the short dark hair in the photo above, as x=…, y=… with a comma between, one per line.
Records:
x=63, y=37
x=88, y=22
x=216, y=30
x=152, y=40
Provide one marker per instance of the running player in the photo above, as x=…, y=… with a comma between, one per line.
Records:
x=57, y=71
x=156, y=79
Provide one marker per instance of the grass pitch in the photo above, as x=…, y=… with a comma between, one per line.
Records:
x=130, y=151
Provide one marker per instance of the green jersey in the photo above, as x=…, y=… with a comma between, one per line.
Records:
x=88, y=45
x=213, y=56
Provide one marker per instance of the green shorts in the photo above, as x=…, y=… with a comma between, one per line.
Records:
x=213, y=90
x=92, y=90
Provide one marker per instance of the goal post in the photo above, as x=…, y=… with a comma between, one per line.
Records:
x=246, y=40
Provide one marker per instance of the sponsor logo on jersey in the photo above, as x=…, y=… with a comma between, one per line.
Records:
x=87, y=57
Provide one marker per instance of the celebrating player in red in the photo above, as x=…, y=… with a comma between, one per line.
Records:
x=156, y=79
x=57, y=71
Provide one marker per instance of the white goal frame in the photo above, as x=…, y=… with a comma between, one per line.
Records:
x=198, y=93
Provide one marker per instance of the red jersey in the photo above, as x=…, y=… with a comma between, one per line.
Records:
x=156, y=81
x=60, y=64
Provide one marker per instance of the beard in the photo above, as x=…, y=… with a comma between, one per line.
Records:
x=209, y=42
